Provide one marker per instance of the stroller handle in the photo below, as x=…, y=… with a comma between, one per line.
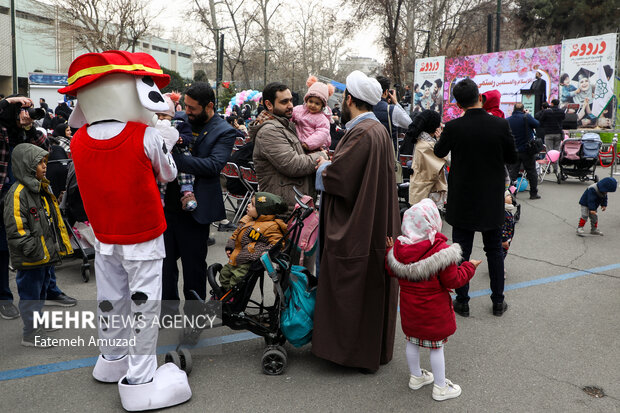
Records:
x=298, y=196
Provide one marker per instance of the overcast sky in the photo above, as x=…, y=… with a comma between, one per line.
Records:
x=172, y=18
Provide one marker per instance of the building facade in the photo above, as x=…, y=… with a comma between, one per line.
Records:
x=44, y=44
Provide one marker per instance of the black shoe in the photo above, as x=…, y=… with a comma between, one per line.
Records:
x=37, y=339
x=226, y=227
x=461, y=309
x=8, y=311
x=535, y=196
x=499, y=308
x=210, y=241
x=62, y=300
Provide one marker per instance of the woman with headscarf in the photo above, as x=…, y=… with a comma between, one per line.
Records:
x=428, y=179
x=62, y=137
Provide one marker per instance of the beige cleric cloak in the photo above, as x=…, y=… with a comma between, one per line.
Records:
x=355, y=316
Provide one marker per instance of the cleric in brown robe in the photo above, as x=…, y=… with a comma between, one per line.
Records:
x=355, y=315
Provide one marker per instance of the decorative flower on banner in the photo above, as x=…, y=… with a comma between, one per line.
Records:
x=451, y=111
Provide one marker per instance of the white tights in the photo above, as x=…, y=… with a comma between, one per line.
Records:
x=438, y=365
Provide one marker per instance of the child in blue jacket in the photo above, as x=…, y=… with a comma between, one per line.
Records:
x=592, y=198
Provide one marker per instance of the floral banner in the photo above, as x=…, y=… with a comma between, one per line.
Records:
x=508, y=72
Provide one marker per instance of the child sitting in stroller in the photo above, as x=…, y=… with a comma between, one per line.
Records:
x=257, y=232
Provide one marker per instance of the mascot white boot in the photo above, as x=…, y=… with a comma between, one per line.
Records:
x=117, y=159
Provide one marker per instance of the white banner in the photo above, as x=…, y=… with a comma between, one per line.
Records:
x=428, y=84
x=587, y=79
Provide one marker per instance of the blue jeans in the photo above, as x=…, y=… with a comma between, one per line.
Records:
x=32, y=289
x=52, y=290
x=492, y=240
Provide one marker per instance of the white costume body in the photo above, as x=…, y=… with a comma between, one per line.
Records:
x=124, y=270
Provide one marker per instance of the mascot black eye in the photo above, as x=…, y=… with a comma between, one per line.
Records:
x=156, y=97
x=148, y=80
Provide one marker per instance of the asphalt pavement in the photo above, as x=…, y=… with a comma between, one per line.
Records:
x=555, y=350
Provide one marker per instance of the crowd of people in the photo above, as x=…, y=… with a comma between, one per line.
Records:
x=343, y=155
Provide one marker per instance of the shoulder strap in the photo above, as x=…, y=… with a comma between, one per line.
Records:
x=526, y=124
x=389, y=109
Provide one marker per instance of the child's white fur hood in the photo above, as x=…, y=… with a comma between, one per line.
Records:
x=423, y=270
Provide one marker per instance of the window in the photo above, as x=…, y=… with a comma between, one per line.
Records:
x=33, y=17
x=187, y=56
x=146, y=45
x=160, y=49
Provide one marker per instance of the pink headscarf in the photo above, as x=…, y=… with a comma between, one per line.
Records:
x=420, y=223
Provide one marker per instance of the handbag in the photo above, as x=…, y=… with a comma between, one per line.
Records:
x=398, y=168
x=534, y=145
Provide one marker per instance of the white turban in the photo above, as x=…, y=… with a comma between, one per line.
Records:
x=364, y=88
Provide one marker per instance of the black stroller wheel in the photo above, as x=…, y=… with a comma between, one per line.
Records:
x=595, y=178
x=274, y=360
x=85, y=271
x=173, y=357
x=186, y=360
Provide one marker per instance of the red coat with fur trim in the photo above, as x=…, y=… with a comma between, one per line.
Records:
x=426, y=273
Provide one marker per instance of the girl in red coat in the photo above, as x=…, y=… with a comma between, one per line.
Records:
x=427, y=269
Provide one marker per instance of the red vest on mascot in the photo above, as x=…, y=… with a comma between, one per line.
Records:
x=116, y=182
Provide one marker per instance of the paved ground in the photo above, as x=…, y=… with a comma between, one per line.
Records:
x=560, y=334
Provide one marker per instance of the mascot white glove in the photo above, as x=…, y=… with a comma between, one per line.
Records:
x=168, y=132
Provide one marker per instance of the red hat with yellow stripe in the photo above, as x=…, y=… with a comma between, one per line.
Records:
x=89, y=67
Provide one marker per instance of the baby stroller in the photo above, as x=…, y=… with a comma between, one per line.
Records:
x=544, y=163
x=579, y=157
x=72, y=209
x=241, y=312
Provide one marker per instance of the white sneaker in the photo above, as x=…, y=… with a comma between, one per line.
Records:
x=580, y=232
x=449, y=391
x=596, y=231
x=416, y=382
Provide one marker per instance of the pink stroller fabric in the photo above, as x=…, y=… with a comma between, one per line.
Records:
x=310, y=231
x=571, y=149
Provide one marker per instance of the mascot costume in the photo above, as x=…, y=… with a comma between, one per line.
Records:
x=117, y=159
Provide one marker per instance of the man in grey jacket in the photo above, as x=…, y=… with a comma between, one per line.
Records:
x=279, y=159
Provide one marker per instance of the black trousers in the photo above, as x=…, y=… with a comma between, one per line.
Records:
x=492, y=241
x=529, y=164
x=186, y=239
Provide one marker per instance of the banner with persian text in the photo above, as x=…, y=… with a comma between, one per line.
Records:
x=508, y=72
x=587, y=80
x=428, y=84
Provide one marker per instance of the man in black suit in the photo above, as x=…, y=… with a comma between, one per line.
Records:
x=481, y=144
x=187, y=234
x=540, y=86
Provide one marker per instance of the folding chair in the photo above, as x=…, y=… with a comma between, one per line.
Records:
x=248, y=177
x=231, y=171
x=239, y=141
